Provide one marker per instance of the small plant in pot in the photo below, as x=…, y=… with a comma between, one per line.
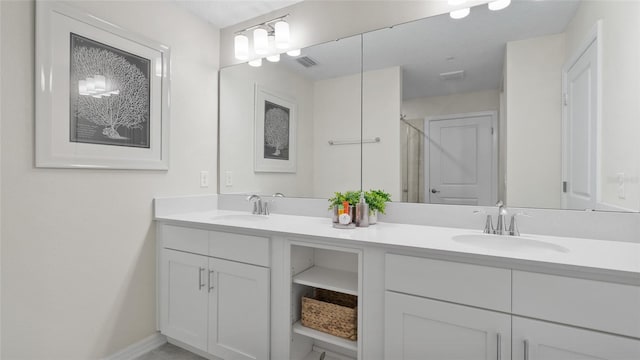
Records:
x=377, y=201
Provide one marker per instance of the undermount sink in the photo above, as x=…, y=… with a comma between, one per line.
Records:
x=511, y=243
x=240, y=217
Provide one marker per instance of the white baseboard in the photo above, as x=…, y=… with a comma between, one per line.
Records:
x=141, y=347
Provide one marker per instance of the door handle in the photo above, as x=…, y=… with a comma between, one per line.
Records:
x=200, y=283
x=499, y=345
x=211, y=287
x=434, y=191
x=526, y=350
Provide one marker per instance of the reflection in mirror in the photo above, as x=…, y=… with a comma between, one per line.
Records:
x=534, y=105
x=277, y=122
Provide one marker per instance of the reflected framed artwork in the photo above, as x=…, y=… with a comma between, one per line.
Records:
x=102, y=93
x=275, y=132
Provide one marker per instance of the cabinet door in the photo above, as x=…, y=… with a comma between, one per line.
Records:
x=546, y=341
x=239, y=310
x=419, y=328
x=184, y=297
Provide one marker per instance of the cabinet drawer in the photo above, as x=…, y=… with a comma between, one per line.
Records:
x=475, y=285
x=243, y=248
x=185, y=239
x=586, y=303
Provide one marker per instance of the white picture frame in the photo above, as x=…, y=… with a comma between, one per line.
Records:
x=102, y=93
x=275, y=132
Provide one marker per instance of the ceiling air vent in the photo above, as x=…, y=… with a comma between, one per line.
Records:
x=453, y=75
x=306, y=61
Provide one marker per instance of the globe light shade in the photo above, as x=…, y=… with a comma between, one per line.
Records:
x=460, y=14
x=295, y=52
x=282, y=34
x=274, y=58
x=260, y=42
x=499, y=4
x=256, y=62
x=241, y=47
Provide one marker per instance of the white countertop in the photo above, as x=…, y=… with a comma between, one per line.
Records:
x=609, y=260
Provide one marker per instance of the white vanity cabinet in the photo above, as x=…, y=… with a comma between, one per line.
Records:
x=447, y=310
x=419, y=328
x=424, y=318
x=539, y=340
x=218, y=306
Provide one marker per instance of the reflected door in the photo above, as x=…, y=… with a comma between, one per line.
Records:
x=462, y=159
x=580, y=131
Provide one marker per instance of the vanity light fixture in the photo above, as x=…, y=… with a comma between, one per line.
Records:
x=256, y=62
x=260, y=42
x=460, y=13
x=269, y=39
x=241, y=47
x=281, y=29
x=498, y=4
x=294, y=53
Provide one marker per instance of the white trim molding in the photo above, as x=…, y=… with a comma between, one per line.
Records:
x=140, y=348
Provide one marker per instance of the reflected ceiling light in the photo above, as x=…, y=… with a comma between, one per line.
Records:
x=241, y=47
x=96, y=87
x=295, y=52
x=499, y=4
x=256, y=62
x=460, y=14
x=260, y=42
x=274, y=58
x=281, y=29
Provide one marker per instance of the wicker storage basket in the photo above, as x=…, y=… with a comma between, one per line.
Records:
x=331, y=312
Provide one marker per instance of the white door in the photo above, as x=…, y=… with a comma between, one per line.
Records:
x=239, y=310
x=184, y=297
x=545, y=341
x=462, y=159
x=580, y=131
x=417, y=328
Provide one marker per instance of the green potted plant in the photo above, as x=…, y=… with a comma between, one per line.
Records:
x=352, y=197
x=377, y=200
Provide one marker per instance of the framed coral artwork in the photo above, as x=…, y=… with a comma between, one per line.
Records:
x=275, y=132
x=102, y=93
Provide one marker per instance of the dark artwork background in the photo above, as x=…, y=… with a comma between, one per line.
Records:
x=91, y=119
x=276, y=127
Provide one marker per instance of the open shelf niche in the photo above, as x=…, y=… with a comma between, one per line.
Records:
x=316, y=266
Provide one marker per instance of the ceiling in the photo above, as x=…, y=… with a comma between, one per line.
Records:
x=224, y=13
x=428, y=47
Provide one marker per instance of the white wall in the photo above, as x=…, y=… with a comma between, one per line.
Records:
x=382, y=99
x=534, y=121
x=336, y=114
x=78, y=253
x=237, y=107
x=620, y=151
x=487, y=100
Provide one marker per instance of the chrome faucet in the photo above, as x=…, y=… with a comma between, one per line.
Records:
x=500, y=225
x=259, y=207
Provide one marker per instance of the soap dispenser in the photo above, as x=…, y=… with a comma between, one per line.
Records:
x=362, y=212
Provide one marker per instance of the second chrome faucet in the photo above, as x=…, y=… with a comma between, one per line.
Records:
x=501, y=226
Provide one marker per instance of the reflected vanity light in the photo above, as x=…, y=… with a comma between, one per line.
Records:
x=498, y=4
x=294, y=53
x=282, y=34
x=241, y=47
x=96, y=87
x=460, y=13
x=260, y=42
x=256, y=62
x=269, y=39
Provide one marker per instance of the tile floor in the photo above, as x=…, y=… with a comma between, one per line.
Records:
x=169, y=352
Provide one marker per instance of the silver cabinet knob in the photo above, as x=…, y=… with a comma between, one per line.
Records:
x=434, y=191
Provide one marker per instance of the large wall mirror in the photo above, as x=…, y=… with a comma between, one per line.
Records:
x=536, y=105
x=293, y=126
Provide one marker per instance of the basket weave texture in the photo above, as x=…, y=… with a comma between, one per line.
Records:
x=331, y=312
